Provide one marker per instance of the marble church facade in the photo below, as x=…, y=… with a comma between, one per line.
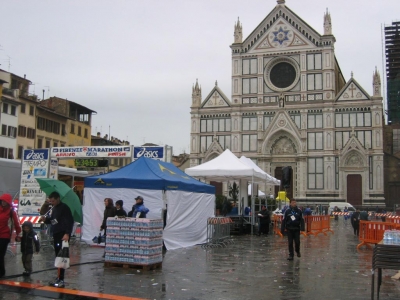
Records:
x=290, y=105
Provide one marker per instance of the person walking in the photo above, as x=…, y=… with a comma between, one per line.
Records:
x=109, y=212
x=264, y=220
x=355, y=222
x=62, y=223
x=8, y=222
x=138, y=209
x=29, y=242
x=293, y=223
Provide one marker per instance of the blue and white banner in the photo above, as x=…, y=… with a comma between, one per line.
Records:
x=91, y=151
x=154, y=152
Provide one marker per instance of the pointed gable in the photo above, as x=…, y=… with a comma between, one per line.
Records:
x=282, y=28
x=352, y=91
x=216, y=98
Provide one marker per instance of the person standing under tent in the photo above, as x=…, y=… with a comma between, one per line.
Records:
x=293, y=223
x=62, y=223
x=263, y=221
x=109, y=212
x=8, y=222
x=119, y=209
x=138, y=209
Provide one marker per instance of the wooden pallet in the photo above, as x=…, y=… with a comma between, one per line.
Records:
x=134, y=266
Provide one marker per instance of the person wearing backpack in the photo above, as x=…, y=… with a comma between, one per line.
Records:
x=8, y=222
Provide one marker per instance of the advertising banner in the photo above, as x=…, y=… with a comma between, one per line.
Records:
x=91, y=152
x=155, y=152
x=53, y=168
x=35, y=164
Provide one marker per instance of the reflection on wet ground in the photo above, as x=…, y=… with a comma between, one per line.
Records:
x=253, y=267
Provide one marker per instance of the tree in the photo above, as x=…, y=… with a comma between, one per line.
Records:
x=234, y=191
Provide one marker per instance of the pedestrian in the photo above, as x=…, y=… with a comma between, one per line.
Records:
x=336, y=210
x=293, y=223
x=109, y=212
x=308, y=218
x=138, y=209
x=8, y=222
x=346, y=215
x=44, y=209
x=62, y=223
x=264, y=220
x=364, y=215
x=355, y=221
x=119, y=210
x=29, y=242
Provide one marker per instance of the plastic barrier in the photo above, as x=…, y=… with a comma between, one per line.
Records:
x=317, y=224
x=371, y=232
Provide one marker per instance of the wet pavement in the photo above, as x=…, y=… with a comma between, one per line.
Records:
x=253, y=267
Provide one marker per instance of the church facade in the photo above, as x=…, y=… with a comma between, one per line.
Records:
x=290, y=105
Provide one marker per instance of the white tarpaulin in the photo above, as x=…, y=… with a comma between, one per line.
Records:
x=93, y=206
x=187, y=213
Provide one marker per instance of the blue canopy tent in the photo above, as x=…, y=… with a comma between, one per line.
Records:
x=189, y=202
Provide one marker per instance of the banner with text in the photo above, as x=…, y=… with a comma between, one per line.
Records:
x=35, y=164
x=155, y=152
x=92, y=152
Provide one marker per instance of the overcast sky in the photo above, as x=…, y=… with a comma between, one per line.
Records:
x=134, y=62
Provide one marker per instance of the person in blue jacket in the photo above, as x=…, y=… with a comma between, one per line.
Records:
x=138, y=209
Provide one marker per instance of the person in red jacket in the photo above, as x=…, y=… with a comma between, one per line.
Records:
x=8, y=223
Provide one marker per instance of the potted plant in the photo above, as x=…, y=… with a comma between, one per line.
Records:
x=219, y=203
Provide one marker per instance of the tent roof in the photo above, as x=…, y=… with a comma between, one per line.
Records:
x=225, y=167
x=268, y=178
x=146, y=173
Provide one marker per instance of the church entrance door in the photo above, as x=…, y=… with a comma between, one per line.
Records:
x=354, y=189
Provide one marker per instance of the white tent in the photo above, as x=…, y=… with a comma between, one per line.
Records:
x=260, y=193
x=226, y=167
x=268, y=178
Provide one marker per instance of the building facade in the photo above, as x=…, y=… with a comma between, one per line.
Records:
x=291, y=106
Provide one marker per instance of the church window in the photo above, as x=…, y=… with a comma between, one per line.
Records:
x=205, y=142
x=249, y=85
x=314, y=61
x=314, y=82
x=249, y=142
x=315, y=141
x=267, y=121
x=341, y=139
x=315, y=121
x=316, y=173
x=297, y=120
x=249, y=66
x=249, y=123
x=224, y=141
x=360, y=119
x=215, y=125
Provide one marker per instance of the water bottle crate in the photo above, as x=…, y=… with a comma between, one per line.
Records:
x=133, y=259
x=133, y=250
x=139, y=241
x=135, y=223
x=134, y=232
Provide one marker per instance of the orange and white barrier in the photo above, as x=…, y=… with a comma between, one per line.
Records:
x=371, y=232
x=33, y=219
x=277, y=224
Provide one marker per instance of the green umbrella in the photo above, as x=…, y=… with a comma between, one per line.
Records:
x=67, y=195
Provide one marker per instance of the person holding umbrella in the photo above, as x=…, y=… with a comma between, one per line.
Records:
x=62, y=221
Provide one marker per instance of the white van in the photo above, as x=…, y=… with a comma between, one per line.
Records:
x=341, y=206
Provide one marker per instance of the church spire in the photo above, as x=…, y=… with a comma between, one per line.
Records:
x=196, y=94
x=238, y=32
x=376, y=83
x=280, y=2
x=327, y=23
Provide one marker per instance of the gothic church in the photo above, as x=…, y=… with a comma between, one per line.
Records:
x=291, y=106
